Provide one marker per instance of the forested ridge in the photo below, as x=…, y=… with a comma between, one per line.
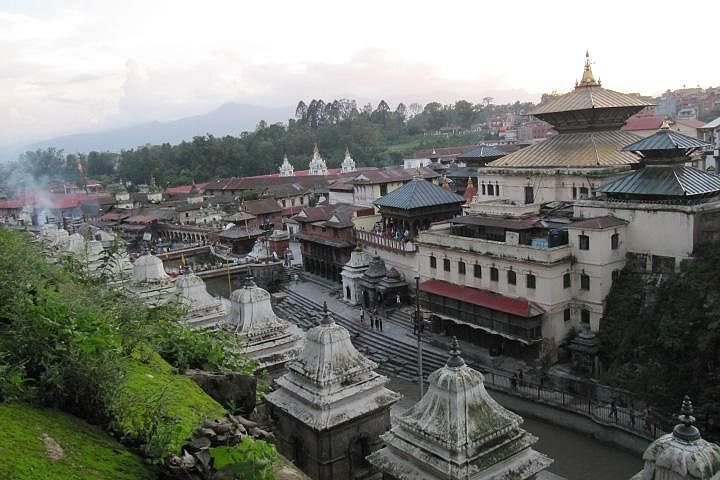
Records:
x=376, y=136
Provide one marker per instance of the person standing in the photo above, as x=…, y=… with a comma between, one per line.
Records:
x=521, y=378
x=372, y=321
x=614, y=410
x=362, y=316
x=397, y=300
x=379, y=322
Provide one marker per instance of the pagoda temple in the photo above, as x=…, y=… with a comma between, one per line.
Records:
x=317, y=164
x=682, y=454
x=457, y=431
x=267, y=339
x=204, y=310
x=573, y=164
x=331, y=406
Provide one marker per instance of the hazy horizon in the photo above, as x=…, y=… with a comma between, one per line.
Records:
x=79, y=66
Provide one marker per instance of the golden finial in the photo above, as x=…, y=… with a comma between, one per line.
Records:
x=665, y=124
x=470, y=182
x=418, y=171
x=587, y=77
x=446, y=184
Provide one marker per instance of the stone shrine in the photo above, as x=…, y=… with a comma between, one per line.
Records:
x=286, y=169
x=457, y=431
x=317, y=164
x=150, y=282
x=351, y=274
x=682, y=454
x=268, y=340
x=204, y=310
x=331, y=406
x=348, y=164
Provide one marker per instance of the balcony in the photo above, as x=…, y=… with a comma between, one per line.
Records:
x=378, y=241
x=492, y=248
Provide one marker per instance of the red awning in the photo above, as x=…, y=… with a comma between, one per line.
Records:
x=514, y=306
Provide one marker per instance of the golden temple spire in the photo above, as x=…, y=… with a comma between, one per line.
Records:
x=588, y=79
x=470, y=182
x=665, y=124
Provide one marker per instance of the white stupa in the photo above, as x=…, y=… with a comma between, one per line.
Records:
x=348, y=164
x=118, y=269
x=76, y=246
x=150, y=282
x=682, y=454
x=317, y=164
x=267, y=339
x=204, y=310
x=457, y=431
x=286, y=169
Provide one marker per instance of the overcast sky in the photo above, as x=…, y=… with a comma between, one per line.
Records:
x=73, y=66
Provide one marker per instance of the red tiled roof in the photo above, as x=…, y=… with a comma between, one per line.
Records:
x=111, y=216
x=184, y=189
x=262, y=206
x=12, y=204
x=514, y=306
x=691, y=122
x=645, y=122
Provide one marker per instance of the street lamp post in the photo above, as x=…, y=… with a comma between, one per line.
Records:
x=418, y=321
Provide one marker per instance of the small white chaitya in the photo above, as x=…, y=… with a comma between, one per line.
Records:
x=348, y=164
x=682, y=454
x=117, y=269
x=457, y=431
x=331, y=405
x=317, y=164
x=204, y=310
x=150, y=282
x=286, y=169
x=351, y=274
x=267, y=339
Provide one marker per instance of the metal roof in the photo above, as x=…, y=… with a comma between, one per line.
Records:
x=515, y=306
x=496, y=222
x=712, y=124
x=483, y=151
x=665, y=180
x=599, y=223
x=665, y=139
x=586, y=149
x=589, y=97
x=418, y=193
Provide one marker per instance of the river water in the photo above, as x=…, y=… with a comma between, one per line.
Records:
x=576, y=456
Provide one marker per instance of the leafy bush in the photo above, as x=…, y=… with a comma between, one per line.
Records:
x=251, y=459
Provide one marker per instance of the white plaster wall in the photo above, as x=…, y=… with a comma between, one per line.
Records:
x=340, y=197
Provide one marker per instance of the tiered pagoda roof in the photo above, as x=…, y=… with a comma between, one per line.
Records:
x=457, y=431
x=330, y=382
x=588, y=119
x=665, y=175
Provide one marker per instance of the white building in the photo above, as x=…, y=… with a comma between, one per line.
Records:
x=317, y=164
x=348, y=164
x=286, y=169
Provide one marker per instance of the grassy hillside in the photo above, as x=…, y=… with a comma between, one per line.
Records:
x=29, y=448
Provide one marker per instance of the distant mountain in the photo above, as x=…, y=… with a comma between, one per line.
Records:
x=228, y=119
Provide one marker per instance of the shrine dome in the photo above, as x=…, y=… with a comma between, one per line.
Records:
x=149, y=269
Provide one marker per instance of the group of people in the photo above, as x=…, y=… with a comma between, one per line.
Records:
x=376, y=321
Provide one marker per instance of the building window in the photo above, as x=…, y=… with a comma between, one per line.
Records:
x=477, y=271
x=574, y=193
x=585, y=315
x=566, y=314
x=497, y=189
x=433, y=262
x=383, y=189
x=302, y=200
x=446, y=264
x=461, y=268
x=511, y=277
x=490, y=190
x=529, y=195
x=530, y=281
x=584, y=242
x=615, y=241
x=482, y=187
x=292, y=202
x=566, y=280
x=283, y=203
x=615, y=275
x=585, y=281
x=494, y=274
x=583, y=192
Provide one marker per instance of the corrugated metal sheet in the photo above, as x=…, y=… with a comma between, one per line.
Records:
x=587, y=97
x=587, y=149
x=674, y=181
x=484, y=151
x=665, y=139
x=418, y=194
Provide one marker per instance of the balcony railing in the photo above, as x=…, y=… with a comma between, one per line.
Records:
x=398, y=246
x=496, y=249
